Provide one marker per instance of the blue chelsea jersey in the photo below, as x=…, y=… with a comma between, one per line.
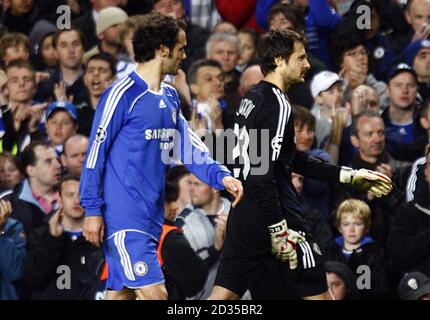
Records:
x=134, y=132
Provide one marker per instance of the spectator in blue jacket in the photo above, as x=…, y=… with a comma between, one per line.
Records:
x=12, y=252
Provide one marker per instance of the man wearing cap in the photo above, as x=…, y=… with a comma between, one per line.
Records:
x=61, y=123
x=417, y=55
x=87, y=23
x=327, y=90
x=405, y=138
x=108, y=29
x=414, y=286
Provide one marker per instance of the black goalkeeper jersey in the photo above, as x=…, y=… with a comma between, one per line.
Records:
x=265, y=154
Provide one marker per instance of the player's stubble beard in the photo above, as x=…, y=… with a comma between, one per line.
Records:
x=297, y=80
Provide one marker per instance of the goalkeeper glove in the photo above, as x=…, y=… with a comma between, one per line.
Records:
x=284, y=242
x=374, y=182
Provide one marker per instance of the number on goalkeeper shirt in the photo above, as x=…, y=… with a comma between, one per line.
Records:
x=240, y=152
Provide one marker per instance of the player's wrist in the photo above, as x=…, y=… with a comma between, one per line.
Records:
x=346, y=174
x=93, y=213
x=278, y=227
x=222, y=181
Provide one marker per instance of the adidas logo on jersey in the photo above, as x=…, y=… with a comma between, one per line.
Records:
x=162, y=104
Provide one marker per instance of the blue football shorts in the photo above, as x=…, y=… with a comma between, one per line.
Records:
x=131, y=256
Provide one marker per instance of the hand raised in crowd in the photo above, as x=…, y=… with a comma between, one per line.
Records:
x=181, y=85
x=56, y=228
x=21, y=112
x=60, y=92
x=94, y=229
x=33, y=113
x=386, y=169
x=339, y=117
x=36, y=114
x=220, y=231
x=215, y=113
x=362, y=97
x=422, y=33
x=198, y=122
x=355, y=76
x=41, y=76
x=5, y=213
x=74, y=6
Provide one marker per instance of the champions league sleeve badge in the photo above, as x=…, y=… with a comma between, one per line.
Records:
x=174, y=116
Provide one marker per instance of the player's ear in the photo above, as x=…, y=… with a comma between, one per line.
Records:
x=354, y=141
x=194, y=88
x=279, y=61
x=163, y=51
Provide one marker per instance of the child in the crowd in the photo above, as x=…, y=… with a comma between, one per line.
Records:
x=61, y=123
x=13, y=46
x=327, y=91
x=11, y=171
x=355, y=248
